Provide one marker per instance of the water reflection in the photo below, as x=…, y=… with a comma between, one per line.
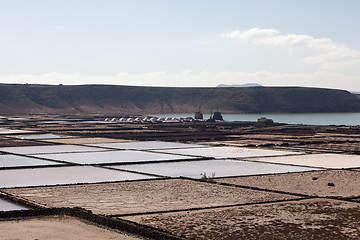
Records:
x=221, y=168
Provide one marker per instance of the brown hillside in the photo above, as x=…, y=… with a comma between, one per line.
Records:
x=121, y=100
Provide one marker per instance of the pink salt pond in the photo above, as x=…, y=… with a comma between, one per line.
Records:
x=333, y=161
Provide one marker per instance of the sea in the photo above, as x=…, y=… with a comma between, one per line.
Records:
x=348, y=119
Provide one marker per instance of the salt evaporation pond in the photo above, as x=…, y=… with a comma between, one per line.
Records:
x=113, y=157
x=63, y=175
x=317, y=160
x=145, y=145
x=221, y=168
x=8, y=206
x=41, y=136
x=20, y=161
x=227, y=152
x=49, y=149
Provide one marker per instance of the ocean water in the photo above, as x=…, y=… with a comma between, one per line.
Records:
x=349, y=119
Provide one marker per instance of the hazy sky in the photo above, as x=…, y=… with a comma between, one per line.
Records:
x=191, y=43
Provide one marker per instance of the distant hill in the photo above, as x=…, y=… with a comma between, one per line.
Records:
x=17, y=99
x=240, y=85
x=357, y=95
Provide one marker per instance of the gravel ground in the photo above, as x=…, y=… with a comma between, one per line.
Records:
x=307, y=219
x=144, y=196
x=333, y=183
x=12, y=142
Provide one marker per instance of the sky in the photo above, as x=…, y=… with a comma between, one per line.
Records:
x=181, y=43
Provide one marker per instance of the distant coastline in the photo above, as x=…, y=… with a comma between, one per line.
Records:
x=348, y=119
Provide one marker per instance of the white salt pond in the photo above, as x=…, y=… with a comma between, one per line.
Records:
x=20, y=161
x=63, y=175
x=8, y=206
x=227, y=152
x=41, y=136
x=336, y=161
x=49, y=149
x=221, y=168
x=85, y=140
x=146, y=145
x=113, y=157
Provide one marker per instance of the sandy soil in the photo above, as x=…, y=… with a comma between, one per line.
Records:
x=12, y=142
x=13, y=131
x=348, y=142
x=354, y=146
x=85, y=140
x=56, y=228
x=346, y=182
x=310, y=219
x=144, y=196
x=241, y=143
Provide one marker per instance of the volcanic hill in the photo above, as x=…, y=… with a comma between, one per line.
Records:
x=22, y=99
